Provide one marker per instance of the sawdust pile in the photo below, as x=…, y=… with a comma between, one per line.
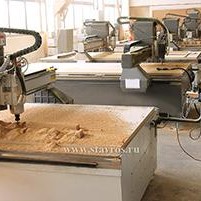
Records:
x=53, y=129
x=21, y=136
x=31, y=138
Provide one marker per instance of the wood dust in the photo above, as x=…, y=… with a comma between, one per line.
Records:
x=56, y=131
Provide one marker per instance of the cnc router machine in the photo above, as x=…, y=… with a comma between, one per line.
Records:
x=185, y=30
x=98, y=40
x=14, y=84
x=62, y=152
x=130, y=82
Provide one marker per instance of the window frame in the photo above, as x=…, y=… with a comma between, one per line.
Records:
x=41, y=4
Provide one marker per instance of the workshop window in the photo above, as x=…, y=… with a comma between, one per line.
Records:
x=50, y=15
x=110, y=2
x=33, y=16
x=17, y=14
x=43, y=11
x=24, y=14
x=84, y=1
x=85, y=12
x=75, y=19
x=78, y=16
x=4, y=14
x=80, y=10
x=110, y=14
x=69, y=20
x=112, y=10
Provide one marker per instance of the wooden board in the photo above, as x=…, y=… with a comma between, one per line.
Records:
x=97, y=56
x=105, y=70
x=106, y=56
x=183, y=56
x=151, y=69
x=52, y=128
x=55, y=58
x=79, y=68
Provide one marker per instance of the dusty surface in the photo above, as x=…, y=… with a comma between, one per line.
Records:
x=54, y=128
x=151, y=68
x=31, y=137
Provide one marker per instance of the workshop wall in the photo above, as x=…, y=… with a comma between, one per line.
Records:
x=18, y=42
x=160, y=14
x=140, y=11
x=158, y=9
x=163, y=2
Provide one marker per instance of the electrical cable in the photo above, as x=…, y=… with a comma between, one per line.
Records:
x=21, y=79
x=191, y=134
x=181, y=146
x=24, y=63
x=4, y=66
x=188, y=74
x=177, y=68
x=191, y=131
x=7, y=70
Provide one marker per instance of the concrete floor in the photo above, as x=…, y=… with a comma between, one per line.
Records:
x=178, y=177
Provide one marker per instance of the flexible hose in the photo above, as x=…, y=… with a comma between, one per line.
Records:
x=5, y=65
x=35, y=46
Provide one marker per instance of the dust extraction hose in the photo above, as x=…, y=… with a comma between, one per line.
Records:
x=35, y=46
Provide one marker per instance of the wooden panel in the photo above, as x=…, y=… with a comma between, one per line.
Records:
x=185, y=56
x=151, y=69
x=58, y=183
x=59, y=58
x=53, y=128
x=106, y=56
x=79, y=68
